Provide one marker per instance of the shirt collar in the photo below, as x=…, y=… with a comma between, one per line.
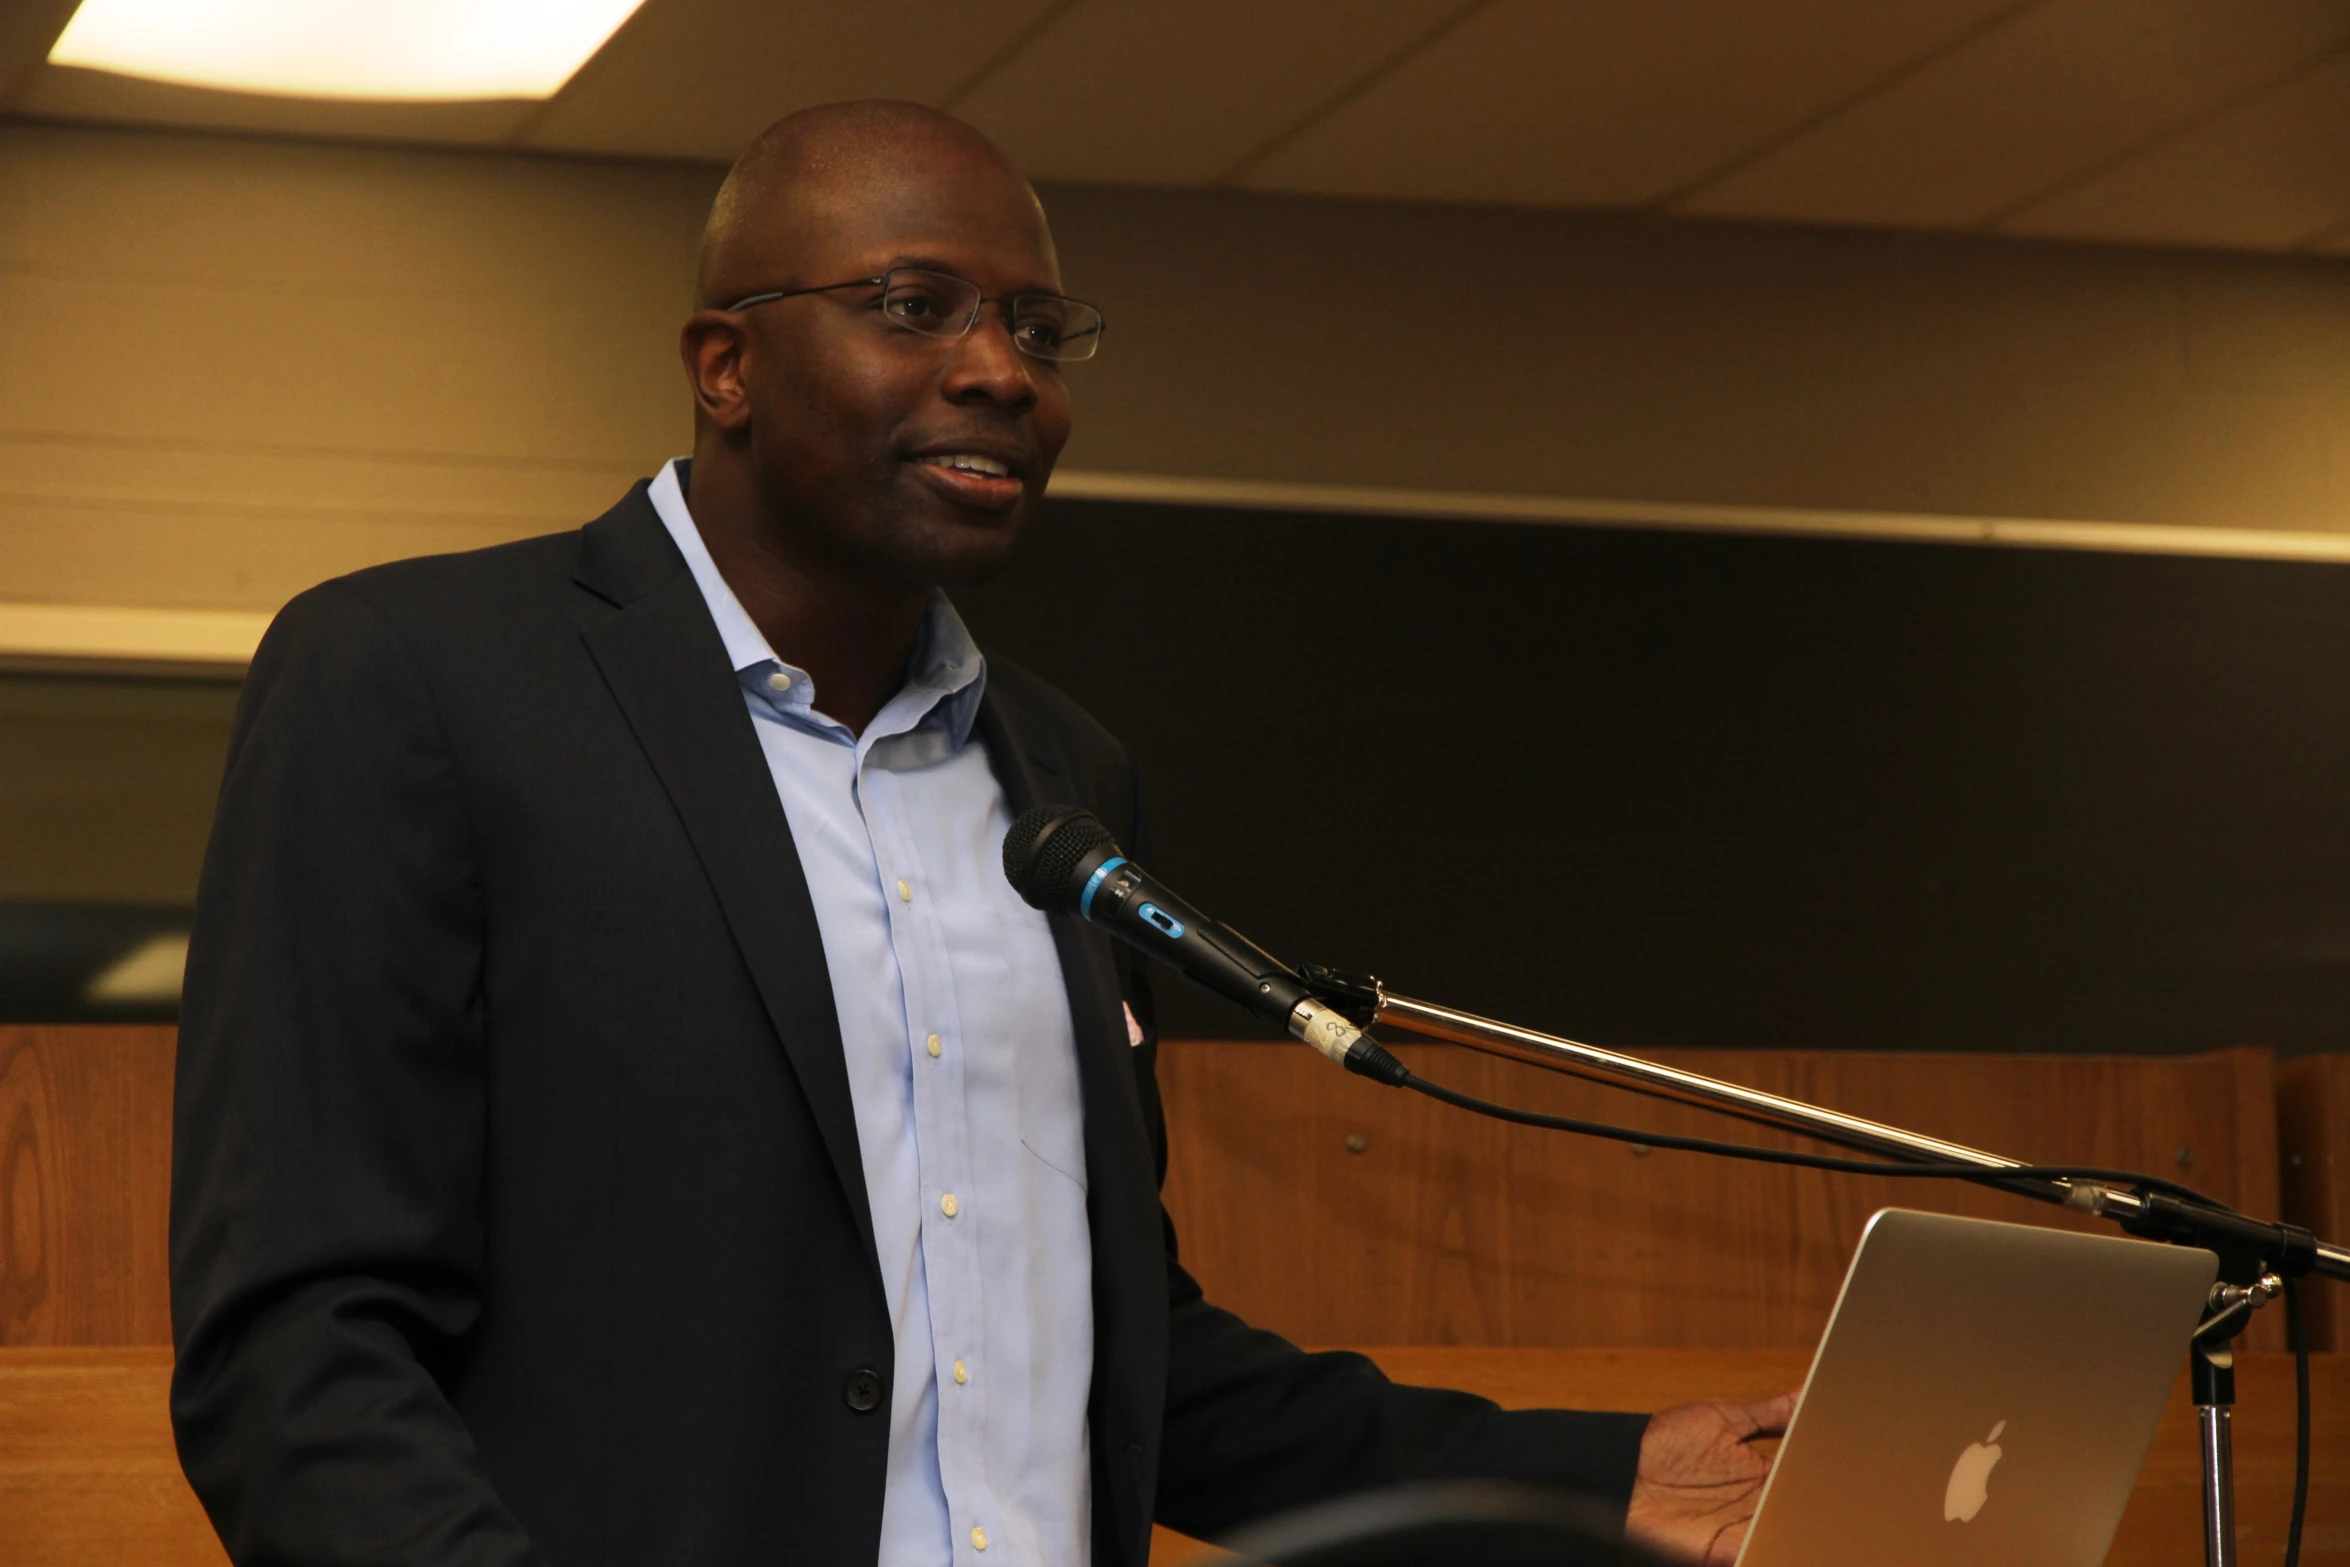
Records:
x=946, y=665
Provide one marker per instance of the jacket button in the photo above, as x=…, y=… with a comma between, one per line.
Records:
x=862, y=1390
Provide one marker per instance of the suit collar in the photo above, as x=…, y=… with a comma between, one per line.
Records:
x=626, y=553
x=620, y=562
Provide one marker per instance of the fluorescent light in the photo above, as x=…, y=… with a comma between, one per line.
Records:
x=383, y=49
x=150, y=972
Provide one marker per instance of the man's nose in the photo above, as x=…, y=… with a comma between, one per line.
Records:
x=986, y=365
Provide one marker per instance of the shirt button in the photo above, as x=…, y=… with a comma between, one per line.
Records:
x=779, y=681
x=962, y=1373
x=933, y=1043
x=978, y=1538
x=905, y=890
x=948, y=1206
x=862, y=1391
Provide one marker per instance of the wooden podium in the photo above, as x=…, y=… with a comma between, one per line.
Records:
x=88, y=1477
x=2163, y=1527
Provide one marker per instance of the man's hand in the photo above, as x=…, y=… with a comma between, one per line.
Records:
x=1700, y=1478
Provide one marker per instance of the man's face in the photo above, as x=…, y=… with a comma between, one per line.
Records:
x=915, y=458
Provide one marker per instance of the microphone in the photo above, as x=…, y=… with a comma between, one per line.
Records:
x=1063, y=860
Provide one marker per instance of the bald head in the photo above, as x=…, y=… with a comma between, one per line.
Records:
x=814, y=177
x=844, y=437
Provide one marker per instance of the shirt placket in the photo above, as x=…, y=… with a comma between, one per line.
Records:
x=951, y=1222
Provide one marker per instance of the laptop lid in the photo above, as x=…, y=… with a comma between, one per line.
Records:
x=1985, y=1393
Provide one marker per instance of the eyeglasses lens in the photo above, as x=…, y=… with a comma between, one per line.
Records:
x=1043, y=326
x=1051, y=327
x=931, y=303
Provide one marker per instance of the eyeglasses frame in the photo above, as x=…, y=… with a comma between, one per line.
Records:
x=981, y=303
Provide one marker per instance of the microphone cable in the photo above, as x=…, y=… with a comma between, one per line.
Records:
x=1979, y=1174
x=1381, y=1066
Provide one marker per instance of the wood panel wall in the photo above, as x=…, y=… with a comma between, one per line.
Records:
x=1439, y=1230
x=2313, y=1131
x=1444, y=1229
x=1336, y=1211
x=85, y=1185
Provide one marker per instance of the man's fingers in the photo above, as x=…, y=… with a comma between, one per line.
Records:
x=1723, y=1548
x=1765, y=1419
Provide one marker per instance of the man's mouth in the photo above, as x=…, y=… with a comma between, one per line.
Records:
x=972, y=479
x=968, y=462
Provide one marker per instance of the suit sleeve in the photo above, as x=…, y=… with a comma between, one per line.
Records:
x=1256, y=1426
x=327, y=1239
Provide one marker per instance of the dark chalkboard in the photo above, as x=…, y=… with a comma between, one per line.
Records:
x=1654, y=788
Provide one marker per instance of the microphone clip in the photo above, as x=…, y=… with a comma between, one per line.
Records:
x=1351, y=995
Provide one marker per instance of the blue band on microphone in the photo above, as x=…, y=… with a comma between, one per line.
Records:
x=1085, y=903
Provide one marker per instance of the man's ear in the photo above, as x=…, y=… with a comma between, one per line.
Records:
x=712, y=346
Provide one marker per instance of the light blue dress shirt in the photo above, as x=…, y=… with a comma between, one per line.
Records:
x=962, y=1066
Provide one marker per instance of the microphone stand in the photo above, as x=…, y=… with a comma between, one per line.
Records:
x=2255, y=1257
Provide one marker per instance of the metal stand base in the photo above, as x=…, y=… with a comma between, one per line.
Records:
x=2212, y=1369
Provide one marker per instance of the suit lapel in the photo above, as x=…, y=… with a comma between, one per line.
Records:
x=1096, y=1006
x=662, y=658
x=1122, y=1207
x=1113, y=1111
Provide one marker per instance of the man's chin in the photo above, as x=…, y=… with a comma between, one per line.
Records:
x=976, y=562
x=957, y=551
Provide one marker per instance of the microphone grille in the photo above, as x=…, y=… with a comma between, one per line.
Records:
x=1044, y=849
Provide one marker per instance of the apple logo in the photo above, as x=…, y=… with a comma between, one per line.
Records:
x=1970, y=1479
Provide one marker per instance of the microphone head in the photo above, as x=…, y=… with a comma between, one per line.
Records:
x=1045, y=849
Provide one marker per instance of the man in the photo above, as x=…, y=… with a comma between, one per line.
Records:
x=625, y=1117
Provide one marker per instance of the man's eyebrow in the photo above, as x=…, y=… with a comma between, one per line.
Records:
x=935, y=264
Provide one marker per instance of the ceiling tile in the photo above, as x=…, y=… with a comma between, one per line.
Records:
x=2029, y=104
x=28, y=30
x=700, y=78
x=1598, y=102
x=1142, y=91
x=2272, y=174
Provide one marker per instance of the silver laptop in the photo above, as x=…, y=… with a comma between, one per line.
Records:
x=1985, y=1394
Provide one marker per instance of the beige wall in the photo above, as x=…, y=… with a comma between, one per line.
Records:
x=230, y=367
x=234, y=367
x=1648, y=359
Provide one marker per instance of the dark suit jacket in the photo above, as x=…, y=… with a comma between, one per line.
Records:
x=517, y=1213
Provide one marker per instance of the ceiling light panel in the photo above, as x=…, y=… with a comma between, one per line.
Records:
x=654, y=93
x=411, y=50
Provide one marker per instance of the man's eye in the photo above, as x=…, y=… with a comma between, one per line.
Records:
x=1039, y=333
x=911, y=307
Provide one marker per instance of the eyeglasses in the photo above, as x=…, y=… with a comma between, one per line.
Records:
x=939, y=304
